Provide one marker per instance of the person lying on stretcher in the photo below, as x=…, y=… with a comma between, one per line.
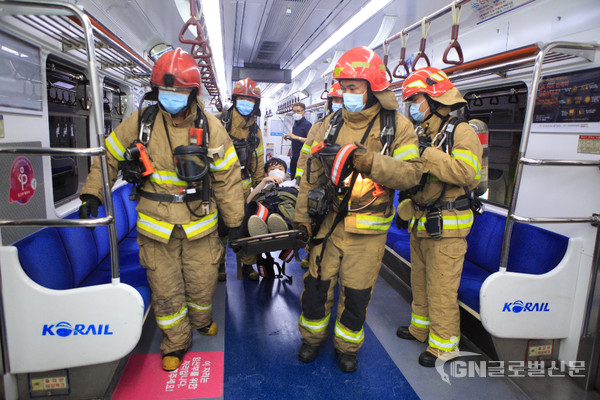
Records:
x=270, y=206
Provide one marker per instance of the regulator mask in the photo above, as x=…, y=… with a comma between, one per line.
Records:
x=191, y=162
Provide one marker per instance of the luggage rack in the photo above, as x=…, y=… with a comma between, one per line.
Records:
x=63, y=28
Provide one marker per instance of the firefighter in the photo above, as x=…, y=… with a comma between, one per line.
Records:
x=240, y=122
x=376, y=150
x=439, y=212
x=177, y=219
x=334, y=103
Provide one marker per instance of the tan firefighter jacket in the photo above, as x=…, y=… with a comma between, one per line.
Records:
x=399, y=170
x=157, y=219
x=240, y=129
x=461, y=168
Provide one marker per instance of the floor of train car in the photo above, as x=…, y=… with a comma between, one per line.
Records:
x=256, y=346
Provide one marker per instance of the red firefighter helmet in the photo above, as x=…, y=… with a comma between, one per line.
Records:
x=176, y=69
x=429, y=80
x=434, y=83
x=335, y=91
x=246, y=87
x=362, y=63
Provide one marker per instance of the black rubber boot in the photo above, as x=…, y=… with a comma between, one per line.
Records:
x=404, y=333
x=308, y=353
x=347, y=362
x=427, y=359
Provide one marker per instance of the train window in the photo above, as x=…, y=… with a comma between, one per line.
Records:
x=503, y=110
x=68, y=116
x=20, y=74
x=115, y=105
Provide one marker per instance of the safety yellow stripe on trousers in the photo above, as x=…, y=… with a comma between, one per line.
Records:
x=348, y=336
x=172, y=320
x=364, y=221
x=453, y=222
x=115, y=147
x=407, y=152
x=224, y=163
x=198, y=307
x=443, y=344
x=314, y=326
x=419, y=321
x=202, y=225
x=159, y=228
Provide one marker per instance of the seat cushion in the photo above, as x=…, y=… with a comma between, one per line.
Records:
x=44, y=259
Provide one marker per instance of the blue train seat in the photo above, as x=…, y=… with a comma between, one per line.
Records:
x=71, y=257
x=533, y=251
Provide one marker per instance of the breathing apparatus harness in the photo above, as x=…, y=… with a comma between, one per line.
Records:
x=191, y=163
x=443, y=140
x=244, y=148
x=337, y=167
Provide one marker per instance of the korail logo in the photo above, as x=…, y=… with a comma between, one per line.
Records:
x=520, y=306
x=64, y=329
x=439, y=366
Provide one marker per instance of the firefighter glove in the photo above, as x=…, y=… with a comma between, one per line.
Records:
x=89, y=206
x=362, y=159
x=305, y=229
x=235, y=233
x=424, y=142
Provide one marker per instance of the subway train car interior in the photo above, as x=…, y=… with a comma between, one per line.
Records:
x=80, y=312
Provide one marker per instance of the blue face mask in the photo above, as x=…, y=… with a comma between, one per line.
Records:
x=335, y=106
x=244, y=107
x=416, y=115
x=354, y=102
x=173, y=102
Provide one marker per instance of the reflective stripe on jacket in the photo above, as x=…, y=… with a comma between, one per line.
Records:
x=160, y=217
x=400, y=170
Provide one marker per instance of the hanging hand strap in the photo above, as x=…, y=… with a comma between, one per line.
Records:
x=454, y=39
x=422, y=54
x=402, y=62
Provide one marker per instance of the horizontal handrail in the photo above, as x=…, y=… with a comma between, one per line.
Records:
x=49, y=151
x=88, y=223
x=594, y=219
x=532, y=161
x=442, y=11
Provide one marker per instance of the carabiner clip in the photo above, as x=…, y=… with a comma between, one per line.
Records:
x=436, y=137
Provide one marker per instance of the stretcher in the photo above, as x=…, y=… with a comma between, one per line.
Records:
x=292, y=239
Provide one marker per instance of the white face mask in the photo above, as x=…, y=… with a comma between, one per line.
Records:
x=277, y=172
x=297, y=117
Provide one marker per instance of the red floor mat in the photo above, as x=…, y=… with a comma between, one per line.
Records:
x=200, y=375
